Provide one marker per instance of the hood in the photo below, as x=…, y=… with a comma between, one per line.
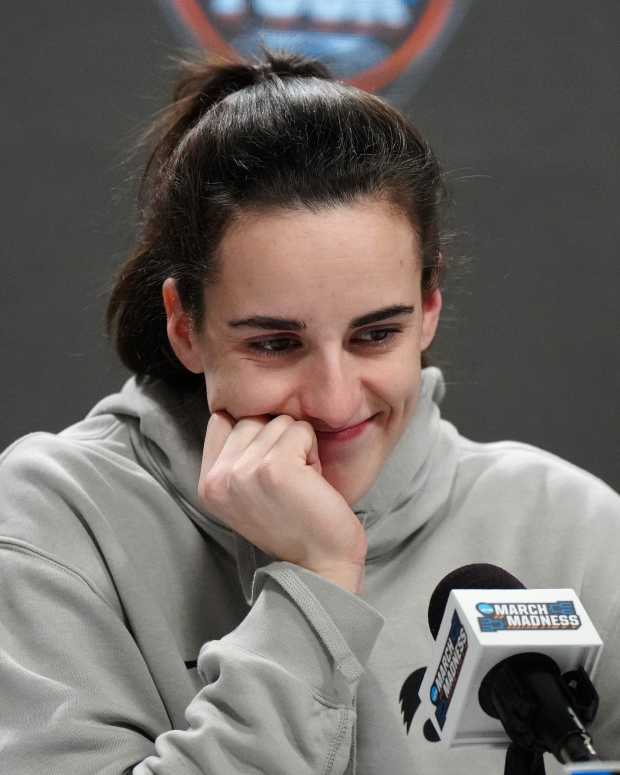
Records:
x=167, y=433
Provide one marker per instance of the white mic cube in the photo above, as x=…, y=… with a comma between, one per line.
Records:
x=482, y=627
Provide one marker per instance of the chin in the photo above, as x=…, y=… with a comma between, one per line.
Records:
x=350, y=492
x=352, y=478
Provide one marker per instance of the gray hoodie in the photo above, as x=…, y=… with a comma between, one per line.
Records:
x=138, y=634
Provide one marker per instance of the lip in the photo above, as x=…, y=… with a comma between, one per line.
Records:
x=345, y=435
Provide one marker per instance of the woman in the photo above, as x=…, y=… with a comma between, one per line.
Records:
x=226, y=566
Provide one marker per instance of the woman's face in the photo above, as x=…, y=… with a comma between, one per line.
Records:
x=319, y=271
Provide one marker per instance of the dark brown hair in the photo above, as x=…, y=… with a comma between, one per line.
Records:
x=278, y=133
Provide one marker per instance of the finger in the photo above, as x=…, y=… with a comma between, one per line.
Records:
x=219, y=427
x=251, y=439
x=255, y=437
x=285, y=439
x=227, y=439
x=302, y=440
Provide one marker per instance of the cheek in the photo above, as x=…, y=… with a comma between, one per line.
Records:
x=243, y=393
x=402, y=391
x=225, y=389
x=403, y=376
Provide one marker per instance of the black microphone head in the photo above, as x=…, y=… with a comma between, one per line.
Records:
x=476, y=576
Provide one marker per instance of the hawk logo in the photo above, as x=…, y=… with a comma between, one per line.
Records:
x=410, y=701
x=371, y=44
x=528, y=616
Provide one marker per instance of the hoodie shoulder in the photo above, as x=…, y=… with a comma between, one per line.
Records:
x=56, y=489
x=104, y=430
x=72, y=467
x=516, y=469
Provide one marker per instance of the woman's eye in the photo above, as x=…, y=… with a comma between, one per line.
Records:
x=278, y=347
x=271, y=346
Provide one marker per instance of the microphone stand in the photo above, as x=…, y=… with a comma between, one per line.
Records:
x=521, y=761
x=541, y=711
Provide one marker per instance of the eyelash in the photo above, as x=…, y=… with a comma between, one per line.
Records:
x=258, y=348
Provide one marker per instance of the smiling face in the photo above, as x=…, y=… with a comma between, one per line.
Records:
x=322, y=271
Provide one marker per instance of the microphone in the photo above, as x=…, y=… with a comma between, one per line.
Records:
x=510, y=664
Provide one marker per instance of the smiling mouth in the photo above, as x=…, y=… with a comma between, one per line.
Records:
x=346, y=434
x=348, y=428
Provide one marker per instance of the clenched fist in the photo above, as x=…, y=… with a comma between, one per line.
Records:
x=262, y=477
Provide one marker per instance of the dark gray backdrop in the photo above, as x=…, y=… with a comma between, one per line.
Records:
x=524, y=110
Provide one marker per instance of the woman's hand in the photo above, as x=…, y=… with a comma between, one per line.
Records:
x=262, y=477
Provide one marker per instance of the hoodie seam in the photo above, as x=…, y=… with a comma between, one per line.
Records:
x=338, y=740
x=12, y=544
x=344, y=658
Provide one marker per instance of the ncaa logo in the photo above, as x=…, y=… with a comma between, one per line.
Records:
x=382, y=46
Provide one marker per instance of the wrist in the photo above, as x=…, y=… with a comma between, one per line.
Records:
x=347, y=573
x=349, y=576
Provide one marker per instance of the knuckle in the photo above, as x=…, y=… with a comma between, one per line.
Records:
x=237, y=477
x=213, y=486
x=268, y=473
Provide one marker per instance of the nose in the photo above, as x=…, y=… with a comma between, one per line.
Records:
x=330, y=391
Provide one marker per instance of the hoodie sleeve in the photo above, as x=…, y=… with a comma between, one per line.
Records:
x=280, y=689
x=278, y=697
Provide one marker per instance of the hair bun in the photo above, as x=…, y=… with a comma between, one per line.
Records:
x=287, y=64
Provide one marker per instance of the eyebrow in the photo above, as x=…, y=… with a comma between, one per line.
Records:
x=285, y=324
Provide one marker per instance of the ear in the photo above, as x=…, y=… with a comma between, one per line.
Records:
x=431, y=309
x=180, y=333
